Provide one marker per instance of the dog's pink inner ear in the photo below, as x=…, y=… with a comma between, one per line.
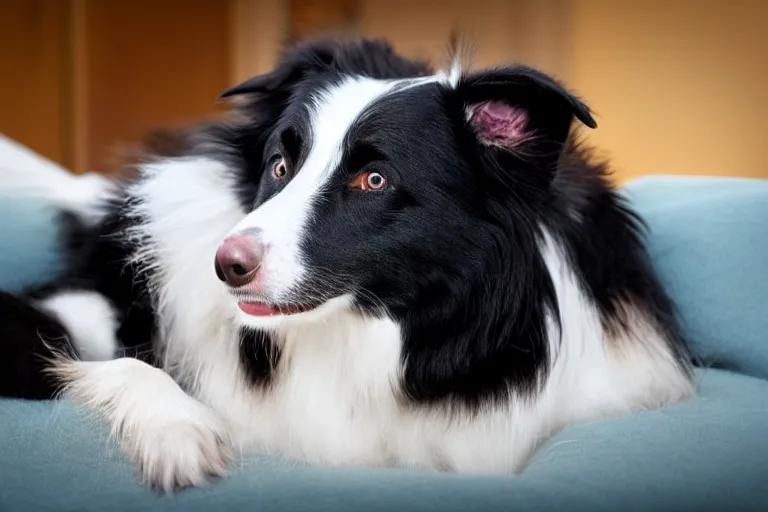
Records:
x=499, y=123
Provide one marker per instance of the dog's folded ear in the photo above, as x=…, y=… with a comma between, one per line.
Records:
x=521, y=112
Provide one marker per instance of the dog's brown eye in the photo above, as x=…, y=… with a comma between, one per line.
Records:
x=369, y=181
x=279, y=171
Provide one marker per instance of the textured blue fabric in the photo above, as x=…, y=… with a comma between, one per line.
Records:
x=705, y=454
x=708, y=454
x=709, y=244
x=29, y=243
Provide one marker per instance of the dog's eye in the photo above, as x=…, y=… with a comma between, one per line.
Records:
x=278, y=168
x=369, y=181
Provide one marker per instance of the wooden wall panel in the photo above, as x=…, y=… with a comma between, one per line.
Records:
x=151, y=64
x=318, y=17
x=258, y=29
x=422, y=29
x=34, y=65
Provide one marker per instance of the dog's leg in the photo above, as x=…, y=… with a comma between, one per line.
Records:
x=174, y=440
x=29, y=337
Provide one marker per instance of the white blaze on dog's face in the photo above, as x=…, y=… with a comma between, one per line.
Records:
x=280, y=223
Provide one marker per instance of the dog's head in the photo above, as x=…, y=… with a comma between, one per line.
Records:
x=382, y=184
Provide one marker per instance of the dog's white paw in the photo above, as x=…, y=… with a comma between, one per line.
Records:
x=178, y=455
x=174, y=440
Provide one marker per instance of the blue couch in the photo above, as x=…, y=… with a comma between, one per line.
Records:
x=709, y=241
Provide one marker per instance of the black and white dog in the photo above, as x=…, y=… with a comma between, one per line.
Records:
x=372, y=264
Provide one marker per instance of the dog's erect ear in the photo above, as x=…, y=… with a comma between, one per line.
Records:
x=294, y=65
x=522, y=113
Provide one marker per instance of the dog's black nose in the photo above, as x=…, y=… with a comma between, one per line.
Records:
x=238, y=259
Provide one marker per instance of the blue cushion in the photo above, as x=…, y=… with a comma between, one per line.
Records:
x=708, y=454
x=709, y=244
x=29, y=243
x=705, y=454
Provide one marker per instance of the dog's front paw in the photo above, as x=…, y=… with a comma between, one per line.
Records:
x=179, y=454
x=174, y=440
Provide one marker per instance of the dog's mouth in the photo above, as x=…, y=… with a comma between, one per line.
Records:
x=263, y=309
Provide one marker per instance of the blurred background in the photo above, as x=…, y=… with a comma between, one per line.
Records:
x=678, y=86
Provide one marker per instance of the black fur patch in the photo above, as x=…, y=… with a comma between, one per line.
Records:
x=101, y=262
x=29, y=338
x=259, y=356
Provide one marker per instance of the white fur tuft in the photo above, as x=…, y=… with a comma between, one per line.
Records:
x=596, y=374
x=90, y=320
x=452, y=75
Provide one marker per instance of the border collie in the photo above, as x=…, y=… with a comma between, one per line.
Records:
x=371, y=263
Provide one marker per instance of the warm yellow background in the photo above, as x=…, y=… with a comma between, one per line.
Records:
x=678, y=86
